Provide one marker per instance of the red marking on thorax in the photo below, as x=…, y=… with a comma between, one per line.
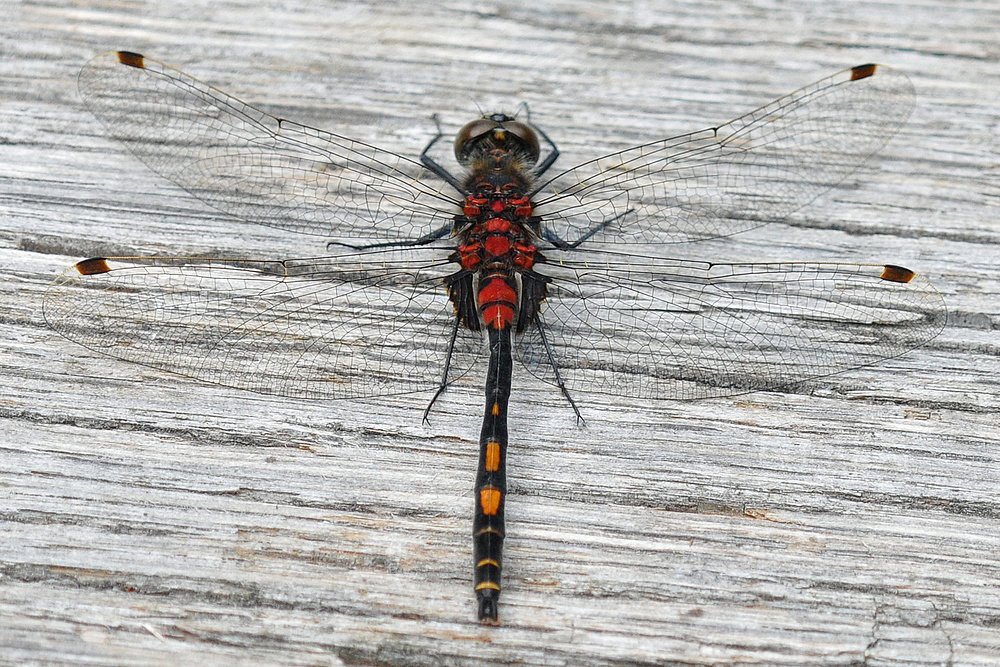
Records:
x=525, y=255
x=470, y=255
x=522, y=206
x=497, y=246
x=472, y=204
x=497, y=225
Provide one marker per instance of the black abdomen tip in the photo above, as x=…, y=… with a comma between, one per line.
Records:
x=489, y=607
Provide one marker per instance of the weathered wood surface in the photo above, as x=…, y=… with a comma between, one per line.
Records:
x=148, y=519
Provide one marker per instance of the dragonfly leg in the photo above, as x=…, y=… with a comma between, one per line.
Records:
x=447, y=367
x=553, y=155
x=433, y=166
x=436, y=235
x=566, y=245
x=555, y=369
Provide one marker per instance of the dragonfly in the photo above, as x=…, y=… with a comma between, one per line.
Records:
x=565, y=274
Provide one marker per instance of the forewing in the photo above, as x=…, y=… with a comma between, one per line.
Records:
x=321, y=328
x=753, y=170
x=255, y=166
x=688, y=330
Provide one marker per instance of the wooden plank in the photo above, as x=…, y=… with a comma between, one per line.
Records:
x=147, y=519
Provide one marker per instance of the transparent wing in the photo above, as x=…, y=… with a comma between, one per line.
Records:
x=377, y=324
x=689, y=330
x=723, y=180
x=255, y=166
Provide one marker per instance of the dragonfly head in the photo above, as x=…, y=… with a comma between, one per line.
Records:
x=498, y=134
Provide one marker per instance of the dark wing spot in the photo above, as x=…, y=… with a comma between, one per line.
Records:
x=863, y=71
x=897, y=274
x=93, y=266
x=131, y=59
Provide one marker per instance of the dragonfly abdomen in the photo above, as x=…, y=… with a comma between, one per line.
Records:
x=491, y=480
x=497, y=254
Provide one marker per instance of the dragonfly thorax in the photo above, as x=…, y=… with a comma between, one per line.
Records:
x=497, y=286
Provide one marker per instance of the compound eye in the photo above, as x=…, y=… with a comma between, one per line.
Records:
x=472, y=131
x=524, y=132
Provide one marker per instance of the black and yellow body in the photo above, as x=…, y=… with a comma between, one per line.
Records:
x=491, y=480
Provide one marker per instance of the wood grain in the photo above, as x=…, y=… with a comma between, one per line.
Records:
x=147, y=519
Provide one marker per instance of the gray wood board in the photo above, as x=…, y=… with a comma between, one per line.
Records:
x=148, y=519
